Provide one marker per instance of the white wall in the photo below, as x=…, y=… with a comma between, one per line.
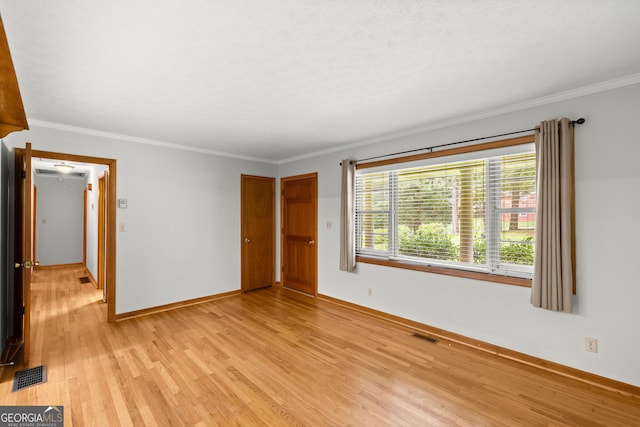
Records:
x=59, y=219
x=606, y=305
x=183, y=227
x=182, y=238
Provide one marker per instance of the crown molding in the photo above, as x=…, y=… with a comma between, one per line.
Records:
x=537, y=102
x=138, y=140
x=561, y=96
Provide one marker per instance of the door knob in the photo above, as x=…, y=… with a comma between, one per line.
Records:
x=247, y=240
x=27, y=264
x=311, y=242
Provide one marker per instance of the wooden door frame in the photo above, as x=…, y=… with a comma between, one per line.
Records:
x=33, y=219
x=273, y=227
x=102, y=185
x=282, y=236
x=110, y=216
x=85, y=195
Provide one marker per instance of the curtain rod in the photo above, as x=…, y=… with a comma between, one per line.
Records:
x=573, y=122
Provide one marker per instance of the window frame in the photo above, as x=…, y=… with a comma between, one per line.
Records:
x=449, y=271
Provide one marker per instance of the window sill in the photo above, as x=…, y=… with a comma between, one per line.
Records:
x=507, y=280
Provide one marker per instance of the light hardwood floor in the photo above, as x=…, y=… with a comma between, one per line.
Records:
x=275, y=357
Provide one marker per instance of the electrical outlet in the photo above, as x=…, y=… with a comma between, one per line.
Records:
x=591, y=344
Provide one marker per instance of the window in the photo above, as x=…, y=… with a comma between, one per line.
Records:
x=471, y=211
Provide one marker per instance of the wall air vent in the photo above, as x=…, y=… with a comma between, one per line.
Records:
x=51, y=172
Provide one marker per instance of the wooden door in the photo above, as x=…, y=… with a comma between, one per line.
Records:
x=24, y=250
x=258, y=232
x=34, y=215
x=299, y=217
x=101, y=232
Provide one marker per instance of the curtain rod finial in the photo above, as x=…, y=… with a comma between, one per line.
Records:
x=579, y=121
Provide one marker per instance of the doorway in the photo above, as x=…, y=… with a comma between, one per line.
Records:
x=299, y=219
x=62, y=214
x=109, y=198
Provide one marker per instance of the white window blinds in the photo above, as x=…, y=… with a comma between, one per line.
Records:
x=476, y=214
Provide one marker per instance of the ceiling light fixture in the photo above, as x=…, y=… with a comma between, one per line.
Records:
x=63, y=167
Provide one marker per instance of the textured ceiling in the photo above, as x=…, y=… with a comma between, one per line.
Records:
x=276, y=79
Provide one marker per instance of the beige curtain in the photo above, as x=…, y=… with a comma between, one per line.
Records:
x=347, y=226
x=554, y=264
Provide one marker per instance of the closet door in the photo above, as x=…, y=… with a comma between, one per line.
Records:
x=258, y=233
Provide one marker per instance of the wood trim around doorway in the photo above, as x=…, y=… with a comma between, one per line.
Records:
x=85, y=195
x=102, y=185
x=110, y=217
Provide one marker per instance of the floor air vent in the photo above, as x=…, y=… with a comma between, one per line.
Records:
x=85, y=280
x=425, y=337
x=28, y=377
